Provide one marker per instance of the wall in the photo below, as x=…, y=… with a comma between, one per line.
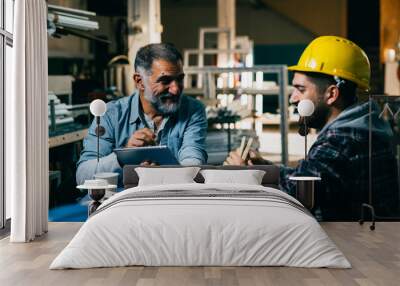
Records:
x=389, y=25
x=319, y=17
x=181, y=21
x=265, y=26
x=278, y=22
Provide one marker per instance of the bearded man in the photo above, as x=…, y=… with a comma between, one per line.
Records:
x=328, y=73
x=157, y=113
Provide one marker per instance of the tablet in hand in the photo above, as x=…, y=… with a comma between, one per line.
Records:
x=136, y=155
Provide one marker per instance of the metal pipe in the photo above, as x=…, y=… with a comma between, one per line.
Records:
x=282, y=91
x=213, y=69
x=283, y=107
x=215, y=51
x=52, y=116
x=305, y=138
x=98, y=137
x=370, y=151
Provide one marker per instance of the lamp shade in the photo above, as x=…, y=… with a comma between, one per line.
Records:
x=305, y=107
x=98, y=107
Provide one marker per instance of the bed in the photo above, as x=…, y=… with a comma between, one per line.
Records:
x=201, y=224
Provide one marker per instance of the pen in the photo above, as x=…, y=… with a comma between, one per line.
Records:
x=247, y=149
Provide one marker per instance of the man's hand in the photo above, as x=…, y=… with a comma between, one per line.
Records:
x=254, y=158
x=234, y=159
x=257, y=159
x=142, y=137
x=148, y=163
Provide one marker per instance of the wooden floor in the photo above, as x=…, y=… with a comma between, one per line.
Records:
x=375, y=256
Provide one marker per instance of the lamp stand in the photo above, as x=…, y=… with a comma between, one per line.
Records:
x=96, y=195
x=305, y=138
x=100, y=131
x=98, y=138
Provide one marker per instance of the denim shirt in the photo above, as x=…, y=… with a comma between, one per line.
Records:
x=184, y=133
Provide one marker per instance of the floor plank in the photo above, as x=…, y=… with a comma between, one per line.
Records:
x=374, y=255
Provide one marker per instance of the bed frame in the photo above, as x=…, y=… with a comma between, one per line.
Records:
x=270, y=179
x=131, y=178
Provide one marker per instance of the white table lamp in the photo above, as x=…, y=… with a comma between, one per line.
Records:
x=98, y=108
x=305, y=109
x=97, y=188
x=305, y=185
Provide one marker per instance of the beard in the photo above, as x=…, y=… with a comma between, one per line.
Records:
x=320, y=116
x=303, y=130
x=165, y=104
x=317, y=120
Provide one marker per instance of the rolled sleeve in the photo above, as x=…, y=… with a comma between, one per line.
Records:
x=87, y=169
x=193, y=149
x=191, y=162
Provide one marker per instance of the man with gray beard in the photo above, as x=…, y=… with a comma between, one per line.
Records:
x=156, y=114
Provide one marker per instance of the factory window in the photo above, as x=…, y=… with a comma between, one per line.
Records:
x=6, y=43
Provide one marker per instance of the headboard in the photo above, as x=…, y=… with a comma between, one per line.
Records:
x=270, y=179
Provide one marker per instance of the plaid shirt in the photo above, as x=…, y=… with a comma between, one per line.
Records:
x=340, y=157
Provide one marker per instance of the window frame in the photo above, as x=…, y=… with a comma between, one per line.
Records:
x=6, y=39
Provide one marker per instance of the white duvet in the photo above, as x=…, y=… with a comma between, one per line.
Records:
x=207, y=230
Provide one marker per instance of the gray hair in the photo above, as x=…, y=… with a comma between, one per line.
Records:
x=147, y=54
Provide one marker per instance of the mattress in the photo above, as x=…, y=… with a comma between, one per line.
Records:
x=201, y=225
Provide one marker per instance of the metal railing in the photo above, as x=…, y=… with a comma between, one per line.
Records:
x=209, y=90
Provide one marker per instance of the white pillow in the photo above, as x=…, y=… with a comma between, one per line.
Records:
x=166, y=176
x=248, y=177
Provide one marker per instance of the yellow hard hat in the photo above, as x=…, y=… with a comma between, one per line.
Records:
x=336, y=56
